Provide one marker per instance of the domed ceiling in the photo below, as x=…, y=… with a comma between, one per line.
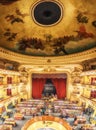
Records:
x=48, y=27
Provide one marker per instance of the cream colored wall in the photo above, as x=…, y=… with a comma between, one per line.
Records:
x=61, y=64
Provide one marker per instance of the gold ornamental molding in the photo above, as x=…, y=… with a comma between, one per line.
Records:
x=34, y=60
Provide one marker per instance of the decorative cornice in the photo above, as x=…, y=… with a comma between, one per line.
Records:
x=10, y=72
x=69, y=59
x=86, y=73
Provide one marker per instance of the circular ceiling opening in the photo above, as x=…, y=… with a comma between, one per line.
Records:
x=47, y=13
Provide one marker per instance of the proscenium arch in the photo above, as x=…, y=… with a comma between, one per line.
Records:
x=68, y=83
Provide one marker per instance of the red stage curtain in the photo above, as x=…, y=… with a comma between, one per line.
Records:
x=60, y=85
x=37, y=87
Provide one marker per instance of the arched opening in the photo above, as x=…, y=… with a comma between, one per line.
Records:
x=49, y=84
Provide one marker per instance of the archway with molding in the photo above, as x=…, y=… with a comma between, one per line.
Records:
x=68, y=84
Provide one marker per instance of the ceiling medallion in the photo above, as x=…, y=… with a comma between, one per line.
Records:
x=47, y=12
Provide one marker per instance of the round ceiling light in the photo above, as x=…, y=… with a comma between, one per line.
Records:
x=47, y=13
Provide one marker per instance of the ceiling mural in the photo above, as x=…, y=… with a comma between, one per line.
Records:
x=32, y=27
x=6, y=2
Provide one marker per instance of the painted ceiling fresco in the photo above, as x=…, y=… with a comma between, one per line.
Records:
x=76, y=32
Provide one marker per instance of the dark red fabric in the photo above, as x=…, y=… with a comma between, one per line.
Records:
x=60, y=85
x=93, y=81
x=9, y=80
x=37, y=87
x=9, y=92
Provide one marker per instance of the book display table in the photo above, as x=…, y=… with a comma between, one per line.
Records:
x=88, y=127
x=5, y=127
x=18, y=116
x=10, y=121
